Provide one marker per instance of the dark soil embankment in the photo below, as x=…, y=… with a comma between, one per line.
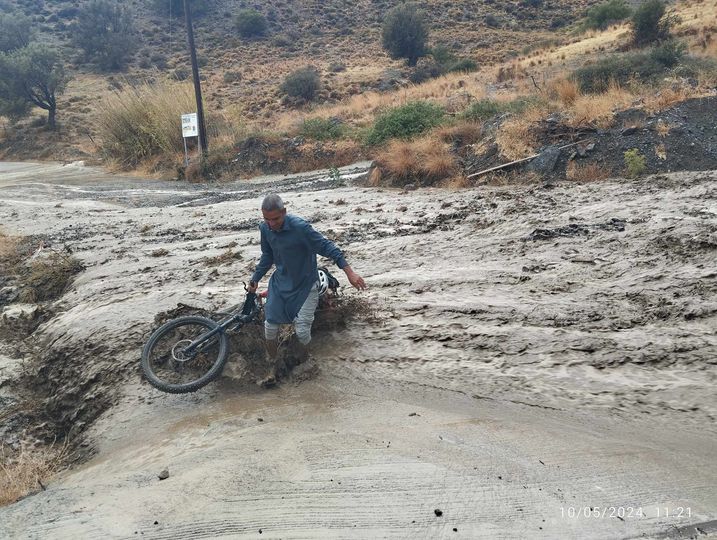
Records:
x=682, y=138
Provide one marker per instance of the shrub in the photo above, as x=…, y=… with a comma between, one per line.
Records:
x=404, y=33
x=322, y=129
x=488, y=108
x=15, y=31
x=463, y=64
x=302, y=83
x=138, y=123
x=649, y=23
x=645, y=66
x=105, y=32
x=669, y=54
x=250, y=23
x=232, y=76
x=449, y=62
x=635, y=164
x=603, y=15
x=405, y=122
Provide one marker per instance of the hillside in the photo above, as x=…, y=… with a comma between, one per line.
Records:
x=342, y=39
x=525, y=55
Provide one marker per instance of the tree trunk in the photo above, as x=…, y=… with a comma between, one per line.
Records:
x=51, y=118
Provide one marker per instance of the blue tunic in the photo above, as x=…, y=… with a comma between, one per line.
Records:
x=293, y=250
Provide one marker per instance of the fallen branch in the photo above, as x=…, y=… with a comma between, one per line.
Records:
x=498, y=167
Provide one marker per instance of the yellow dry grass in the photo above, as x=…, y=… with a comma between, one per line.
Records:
x=26, y=470
x=585, y=172
x=425, y=161
x=598, y=109
x=564, y=90
x=516, y=138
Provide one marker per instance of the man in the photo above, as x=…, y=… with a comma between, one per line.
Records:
x=292, y=244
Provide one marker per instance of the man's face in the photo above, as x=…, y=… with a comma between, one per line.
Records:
x=274, y=218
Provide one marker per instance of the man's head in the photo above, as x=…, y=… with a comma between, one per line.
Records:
x=273, y=211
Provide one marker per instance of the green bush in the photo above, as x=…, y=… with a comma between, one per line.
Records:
x=488, y=108
x=669, y=54
x=105, y=32
x=321, y=129
x=250, y=23
x=449, y=62
x=649, y=23
x=404, y=33
x=405, y=122
x=635, y=163
x=15, y=31
x=463, y=64
x=645, y=66
x=603, y=15
x=302, y=83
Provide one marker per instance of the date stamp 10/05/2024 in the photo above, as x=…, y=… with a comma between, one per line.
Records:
x=626, y=512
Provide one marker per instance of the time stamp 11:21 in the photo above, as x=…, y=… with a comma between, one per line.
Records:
x=625, y=512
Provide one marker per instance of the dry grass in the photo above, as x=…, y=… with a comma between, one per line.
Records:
x=47, y=277
x=586, y=172
x=566, y=91
x=598, y=109
x=227, y=257
x=424, y=161
x=517, y=138
x=666, y=98
x=461, y=133
x=9, y=252
x=25, y=471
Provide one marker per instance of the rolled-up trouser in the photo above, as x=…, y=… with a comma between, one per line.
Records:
x=303, y=320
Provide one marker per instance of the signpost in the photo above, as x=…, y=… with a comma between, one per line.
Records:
x=190, y=128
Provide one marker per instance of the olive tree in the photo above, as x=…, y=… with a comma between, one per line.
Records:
x=31, y=76
x=405, y=33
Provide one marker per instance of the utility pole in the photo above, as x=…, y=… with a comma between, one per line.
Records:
x=203, y=145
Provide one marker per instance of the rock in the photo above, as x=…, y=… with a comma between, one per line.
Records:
x=163, y=475
x=545, y=162
x=628, y=131
x=438, y=512
x=409, y=187
x=9, y=294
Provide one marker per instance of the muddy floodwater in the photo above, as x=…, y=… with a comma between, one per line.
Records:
x=541, y=362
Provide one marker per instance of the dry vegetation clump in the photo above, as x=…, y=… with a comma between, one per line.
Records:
x=425, y=161
x=598, y=109
x=10, y=255
x=517, y=136
x=226, y=257
x=26, y=470
x=585, y=172
x=40, y=274
x=564, y=90
x=141, y=125
x=47, y=277
x=137, y=123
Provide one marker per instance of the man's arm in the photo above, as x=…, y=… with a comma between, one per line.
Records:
x=326, y=248
x=267, y=259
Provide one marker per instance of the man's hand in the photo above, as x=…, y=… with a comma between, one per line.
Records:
x=252, y=287
x=355, y=280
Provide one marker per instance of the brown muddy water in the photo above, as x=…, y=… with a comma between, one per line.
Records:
x=543, y=363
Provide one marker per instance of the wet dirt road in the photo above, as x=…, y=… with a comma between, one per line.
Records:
x=542, y=354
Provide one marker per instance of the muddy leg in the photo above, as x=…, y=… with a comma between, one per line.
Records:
x=272, y=350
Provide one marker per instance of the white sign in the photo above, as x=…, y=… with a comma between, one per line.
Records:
x=190, y=126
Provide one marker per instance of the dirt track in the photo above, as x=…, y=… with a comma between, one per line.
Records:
x=557, y=345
